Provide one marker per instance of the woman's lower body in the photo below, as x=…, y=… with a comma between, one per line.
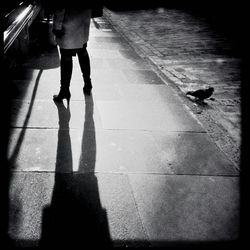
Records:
x=66, y=68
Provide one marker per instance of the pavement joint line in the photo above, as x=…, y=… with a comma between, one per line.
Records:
x=124, y=173
x=111, y=129
x=146, y=130
x=139, y=214
x=43, y=128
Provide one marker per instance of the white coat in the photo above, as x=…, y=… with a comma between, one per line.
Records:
x=75, y=24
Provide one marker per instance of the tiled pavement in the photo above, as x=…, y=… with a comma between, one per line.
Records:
x=128, y=166
x=190, y=52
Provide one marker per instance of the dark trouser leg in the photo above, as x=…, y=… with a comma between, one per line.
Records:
x=66, y=65
x=84, y=62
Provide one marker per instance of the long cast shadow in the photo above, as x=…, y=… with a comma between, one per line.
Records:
x=75, y=216
x=16, y=151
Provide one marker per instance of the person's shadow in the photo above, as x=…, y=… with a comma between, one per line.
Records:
x=75, y=216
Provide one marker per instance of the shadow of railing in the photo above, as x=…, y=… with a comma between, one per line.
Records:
x=16, y=150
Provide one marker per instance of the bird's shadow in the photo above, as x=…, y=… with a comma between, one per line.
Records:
x=202, y=103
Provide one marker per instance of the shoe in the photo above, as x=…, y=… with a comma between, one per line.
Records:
x=63, y=94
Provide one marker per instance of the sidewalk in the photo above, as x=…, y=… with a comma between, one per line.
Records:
x=191, y=52
x=128, y=166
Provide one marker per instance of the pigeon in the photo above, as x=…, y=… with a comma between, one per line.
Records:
x=201, y=94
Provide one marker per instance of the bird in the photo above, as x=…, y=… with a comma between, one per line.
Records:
x=201, y=94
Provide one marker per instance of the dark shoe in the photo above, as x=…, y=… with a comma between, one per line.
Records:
x=63, y=94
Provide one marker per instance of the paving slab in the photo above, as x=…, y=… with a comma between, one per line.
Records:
x=46, y=114
x=187, y=208
x=117, y=151
x=81, y=202
x=192, y=154
x=142, y=76
x=37, y=150
x=146, y=116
